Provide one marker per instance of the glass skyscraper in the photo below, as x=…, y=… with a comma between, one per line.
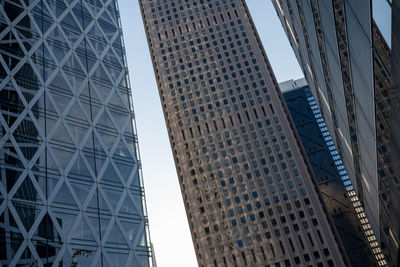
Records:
x=250, y=195
x=71, y=190
x=333, y=180
x=344, y=50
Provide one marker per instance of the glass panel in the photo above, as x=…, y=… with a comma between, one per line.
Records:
x=382, y=14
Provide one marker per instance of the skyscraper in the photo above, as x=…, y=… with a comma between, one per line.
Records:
x=71, y=191
x=395, y=90
x=248, y=189
x=336, y=188
x=344, y=50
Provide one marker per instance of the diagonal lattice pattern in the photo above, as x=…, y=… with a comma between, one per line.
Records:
x=70, y=181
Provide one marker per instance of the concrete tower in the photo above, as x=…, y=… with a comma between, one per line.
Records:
x=250, y=196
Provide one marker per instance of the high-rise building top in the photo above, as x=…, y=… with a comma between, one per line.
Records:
x=248, y=190
x=71, y=191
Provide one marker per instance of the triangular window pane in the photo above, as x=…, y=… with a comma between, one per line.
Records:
x=111, y=176
x=108, y=139
x=27, y=191
x=112, y=197
x=82, y=232
x=122, y=151
x=70, y=21
x=78, y=132
x=62, y=135
x=101, y=74
x=73, y=63
x=116, y=101
x=81, y=190
x=103, y=90
x=124, y=169
x=80, y=168
x=61, y=101
x=64, y=197
x=119, y=118
x=115, y=236
x=128, y=207
x=76, y=113
x=130, y=229
x=60, y=83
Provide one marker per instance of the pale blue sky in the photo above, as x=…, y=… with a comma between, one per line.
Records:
x=169, y=229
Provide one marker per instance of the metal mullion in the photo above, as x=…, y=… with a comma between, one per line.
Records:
x=93, y=141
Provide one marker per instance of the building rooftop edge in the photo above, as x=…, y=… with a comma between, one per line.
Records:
x=291, y=84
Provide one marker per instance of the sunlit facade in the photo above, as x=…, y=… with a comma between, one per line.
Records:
x=249, y=193
x=71, y=191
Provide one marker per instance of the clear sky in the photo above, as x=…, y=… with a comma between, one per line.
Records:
x=169, y=229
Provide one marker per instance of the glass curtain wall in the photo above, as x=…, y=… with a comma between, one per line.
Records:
x=71, y=191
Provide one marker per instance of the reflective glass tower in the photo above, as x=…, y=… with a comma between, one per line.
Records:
x=345, y=50
x=249, y=192
x=337, y=190
x=71, y=191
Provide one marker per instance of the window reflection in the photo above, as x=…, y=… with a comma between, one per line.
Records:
x=382, y=14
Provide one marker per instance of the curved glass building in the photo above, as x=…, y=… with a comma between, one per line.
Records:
x=71, y=191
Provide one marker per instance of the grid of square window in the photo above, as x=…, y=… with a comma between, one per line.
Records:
x=248, y=192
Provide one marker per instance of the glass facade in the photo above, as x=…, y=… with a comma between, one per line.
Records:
x=345, y=52
x=333, y=180
x=71, y=191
